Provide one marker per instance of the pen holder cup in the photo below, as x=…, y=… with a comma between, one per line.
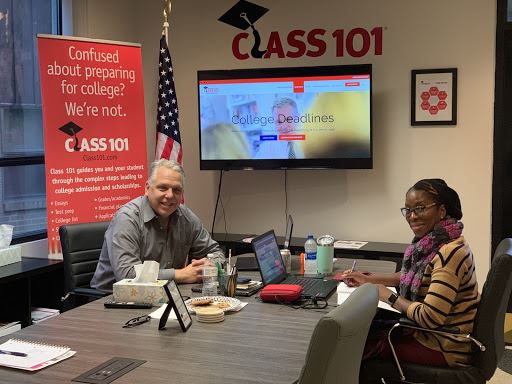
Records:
x=324, y=258
x=227, y=284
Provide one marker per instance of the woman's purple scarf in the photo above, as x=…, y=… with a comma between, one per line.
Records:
x=421, y=252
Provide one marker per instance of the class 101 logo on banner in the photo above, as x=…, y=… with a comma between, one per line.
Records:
x=98, y=144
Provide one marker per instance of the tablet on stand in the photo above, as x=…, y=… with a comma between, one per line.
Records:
x=180, y=309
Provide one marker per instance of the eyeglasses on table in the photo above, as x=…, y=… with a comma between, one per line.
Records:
x=137, y=321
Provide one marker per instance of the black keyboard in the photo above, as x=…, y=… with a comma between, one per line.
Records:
x=313, y=287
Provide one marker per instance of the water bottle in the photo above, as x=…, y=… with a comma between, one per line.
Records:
x=310, y=256
x=210, y=276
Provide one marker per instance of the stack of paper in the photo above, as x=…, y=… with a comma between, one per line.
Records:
x=250, y=284
x=40, y=314
x=7, y=328
x=31, y=356
x=349, y=244
x=344, y=292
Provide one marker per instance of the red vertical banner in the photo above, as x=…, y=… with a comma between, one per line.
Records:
x=94, y=129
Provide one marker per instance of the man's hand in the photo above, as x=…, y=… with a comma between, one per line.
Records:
x=192, y=273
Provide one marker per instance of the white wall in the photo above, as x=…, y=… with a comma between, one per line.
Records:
x=350, y=204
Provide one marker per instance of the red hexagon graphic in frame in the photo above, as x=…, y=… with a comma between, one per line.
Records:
x=433, y=91
x=425, y=95
x=425, y=105
x=433, y=110
x=442, y=105
x=442, y=95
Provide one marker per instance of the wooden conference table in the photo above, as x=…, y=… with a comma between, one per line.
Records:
x=262, y=343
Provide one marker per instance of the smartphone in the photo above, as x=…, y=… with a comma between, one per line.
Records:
x=117, y=304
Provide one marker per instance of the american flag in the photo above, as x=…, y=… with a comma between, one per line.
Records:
x=168, y=139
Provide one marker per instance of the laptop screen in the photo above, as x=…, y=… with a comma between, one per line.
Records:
x=269, y=259
x=288, y=234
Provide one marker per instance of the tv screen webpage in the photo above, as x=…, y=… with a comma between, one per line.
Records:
x=282, y=118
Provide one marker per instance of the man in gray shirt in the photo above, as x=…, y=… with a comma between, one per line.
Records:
x=155, y=227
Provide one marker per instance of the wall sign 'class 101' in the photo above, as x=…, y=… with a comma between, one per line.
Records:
x=357, y=42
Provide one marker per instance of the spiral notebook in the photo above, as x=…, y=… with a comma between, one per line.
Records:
x=31, y=356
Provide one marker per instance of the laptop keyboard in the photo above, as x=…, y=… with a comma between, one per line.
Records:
x=312, y=287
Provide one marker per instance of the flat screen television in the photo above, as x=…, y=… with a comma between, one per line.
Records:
x=285, y=118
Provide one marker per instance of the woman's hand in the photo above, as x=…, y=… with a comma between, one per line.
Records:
x=355, y=278
x=384, y=293
x=401, y=304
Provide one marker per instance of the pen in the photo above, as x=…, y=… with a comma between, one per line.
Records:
x=20, y=354
x=353, y=266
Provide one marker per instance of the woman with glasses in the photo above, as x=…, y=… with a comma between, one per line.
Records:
x=437, y=283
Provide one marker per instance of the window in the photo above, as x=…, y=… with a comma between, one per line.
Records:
x=22, y=174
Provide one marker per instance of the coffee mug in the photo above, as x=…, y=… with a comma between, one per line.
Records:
x=324, y=258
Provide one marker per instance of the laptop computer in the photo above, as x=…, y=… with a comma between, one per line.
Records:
x=247, y=261
x=273, y=271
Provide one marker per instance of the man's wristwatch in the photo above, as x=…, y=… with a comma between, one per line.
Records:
x=392, y=299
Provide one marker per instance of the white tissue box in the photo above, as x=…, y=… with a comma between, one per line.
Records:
x=127, y=290
x=10, y=255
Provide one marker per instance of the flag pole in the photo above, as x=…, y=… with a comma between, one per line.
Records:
x=168, y=143
x=167, y=13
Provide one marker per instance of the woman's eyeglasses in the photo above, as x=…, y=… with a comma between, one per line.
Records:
x=418, y=211
x=136, y=321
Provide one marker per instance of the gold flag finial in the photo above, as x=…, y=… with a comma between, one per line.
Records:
x=166, y=13
x=167, y=10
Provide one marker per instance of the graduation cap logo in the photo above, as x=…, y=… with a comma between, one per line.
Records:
x=72, y=129
x=242, y=16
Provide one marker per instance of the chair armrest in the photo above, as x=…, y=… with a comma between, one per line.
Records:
x=408, y=323
x=445, y=331
x=88, y=292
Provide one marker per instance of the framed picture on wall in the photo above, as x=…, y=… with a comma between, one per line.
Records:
x=434, y=96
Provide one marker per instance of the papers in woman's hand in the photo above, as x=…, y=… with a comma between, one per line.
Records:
x=344, y=292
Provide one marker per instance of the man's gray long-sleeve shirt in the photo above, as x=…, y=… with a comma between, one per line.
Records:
x=135, y=235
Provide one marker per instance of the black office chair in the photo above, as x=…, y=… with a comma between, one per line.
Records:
x=337, y=343
x=505, y=246
x=81, y=247
x=487, y=337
